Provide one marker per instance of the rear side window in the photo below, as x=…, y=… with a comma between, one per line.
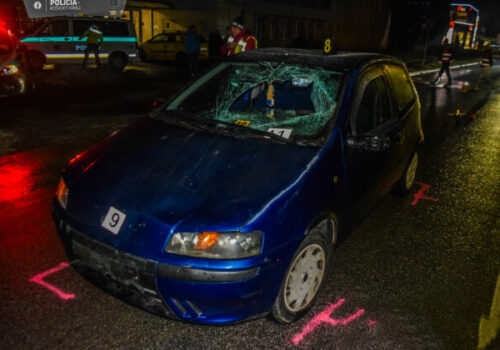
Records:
x=374, y=109
x=173, y=38
x=160, y=38
x=401, y=86
x=108, y=28
x=55, y=28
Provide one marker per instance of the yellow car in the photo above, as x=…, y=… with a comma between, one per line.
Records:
x=169, y=46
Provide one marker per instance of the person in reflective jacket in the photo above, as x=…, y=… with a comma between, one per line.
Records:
x=241, y=39
x=94, y=41
x=445, y=57
x=486, y=64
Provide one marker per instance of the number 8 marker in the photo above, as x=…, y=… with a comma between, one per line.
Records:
x=328, y=46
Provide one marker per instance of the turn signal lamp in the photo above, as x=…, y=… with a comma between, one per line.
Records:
x=216, y=245
x=62, y=193
x=206, y=240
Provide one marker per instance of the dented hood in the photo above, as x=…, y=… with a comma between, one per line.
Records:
x=177, y=175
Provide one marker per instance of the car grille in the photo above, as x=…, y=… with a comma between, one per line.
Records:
x=128, y=277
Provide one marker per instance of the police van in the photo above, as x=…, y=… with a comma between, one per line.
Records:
x=56, y=41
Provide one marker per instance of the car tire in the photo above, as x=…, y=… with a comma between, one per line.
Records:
x=181, y=58
x=117, y=61
x=35, y=60
x=405, y=183
x=305, y=275
x=143, y=56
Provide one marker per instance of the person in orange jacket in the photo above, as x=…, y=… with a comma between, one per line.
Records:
x=241, y=39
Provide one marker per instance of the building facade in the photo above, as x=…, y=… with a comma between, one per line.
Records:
x=356, y=25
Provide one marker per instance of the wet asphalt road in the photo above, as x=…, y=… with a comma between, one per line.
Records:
x=418, y=273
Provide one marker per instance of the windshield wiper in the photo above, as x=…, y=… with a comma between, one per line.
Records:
x=245, y=130
x=186, y=119
x=183, y=119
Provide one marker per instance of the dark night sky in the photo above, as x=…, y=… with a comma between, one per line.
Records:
x=489, y=12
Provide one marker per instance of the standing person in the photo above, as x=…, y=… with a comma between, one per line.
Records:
x=192, y=43
x=240, y=40
x=214, y=45
x=94, y=41
x=486, y=64
x=227, y=35
x=445, y=57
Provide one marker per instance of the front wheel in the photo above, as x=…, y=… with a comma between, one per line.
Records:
x=143, y=56
x=181, y=58
x=304, y=278
x=35, y=60
x=117, y=61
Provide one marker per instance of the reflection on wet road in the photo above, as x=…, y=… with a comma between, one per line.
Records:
x=489, y=326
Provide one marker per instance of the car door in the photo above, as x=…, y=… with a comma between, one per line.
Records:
x=156, y=47
x=56, y=42
x=407, y=109
x=372, y=138
x=177, y=48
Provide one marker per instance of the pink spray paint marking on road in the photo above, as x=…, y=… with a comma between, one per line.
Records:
x=420, y=194
x=371, y=323
x=324, y=317
x=39, y=279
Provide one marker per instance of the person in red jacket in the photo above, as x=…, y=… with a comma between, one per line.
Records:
x=240, y=40
x=445, y=58
x=486, y=64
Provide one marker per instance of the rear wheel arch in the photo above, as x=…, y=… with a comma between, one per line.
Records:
x=407, y=178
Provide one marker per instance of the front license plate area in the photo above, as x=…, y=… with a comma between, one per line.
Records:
x=114, y=220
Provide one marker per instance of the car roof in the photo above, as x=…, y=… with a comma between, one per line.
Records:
x=342, y=61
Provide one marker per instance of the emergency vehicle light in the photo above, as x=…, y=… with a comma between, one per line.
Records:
x=465, y=5
x=106, y=39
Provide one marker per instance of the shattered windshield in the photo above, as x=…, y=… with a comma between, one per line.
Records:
x=291, y=101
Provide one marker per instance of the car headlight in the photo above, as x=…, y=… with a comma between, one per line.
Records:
x=62, y=193
x=10, y=69
x=216, y=245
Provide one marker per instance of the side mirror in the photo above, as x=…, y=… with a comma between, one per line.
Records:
x=370, y=143
x=377, y=143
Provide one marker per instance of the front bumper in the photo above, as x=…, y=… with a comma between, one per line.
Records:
x=174, y=291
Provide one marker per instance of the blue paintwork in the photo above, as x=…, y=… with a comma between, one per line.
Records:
x=170, y=179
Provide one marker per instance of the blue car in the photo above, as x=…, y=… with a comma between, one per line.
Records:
x=225, y=203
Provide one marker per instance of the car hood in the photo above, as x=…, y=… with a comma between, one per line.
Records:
x=201, y=181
